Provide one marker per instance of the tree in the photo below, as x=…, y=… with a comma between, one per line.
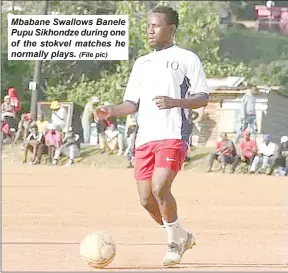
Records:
x=16, y=73
x=111, y=83
x=78, y=80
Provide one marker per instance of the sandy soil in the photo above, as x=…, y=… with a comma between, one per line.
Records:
x=240, y=222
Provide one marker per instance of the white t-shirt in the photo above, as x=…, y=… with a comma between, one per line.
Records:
x=58, y=117
x=174, y=72
x=267, y=150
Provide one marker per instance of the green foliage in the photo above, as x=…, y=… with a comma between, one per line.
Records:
x=16, y=73
x=77, y=81
x=253, y=47
x=111, y=84
x=199, y=28
x=273, y=74
x=224, y=69
x=199, y=31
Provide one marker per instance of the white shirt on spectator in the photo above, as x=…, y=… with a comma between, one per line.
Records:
x=267, y=150
x=173, y=72
x=58, y=117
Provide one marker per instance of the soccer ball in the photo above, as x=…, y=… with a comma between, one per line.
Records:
x=97, y=249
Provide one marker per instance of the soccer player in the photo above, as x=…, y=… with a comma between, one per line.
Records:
x=163, y=85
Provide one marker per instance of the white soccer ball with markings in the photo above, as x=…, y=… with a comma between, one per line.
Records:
x=98, y=249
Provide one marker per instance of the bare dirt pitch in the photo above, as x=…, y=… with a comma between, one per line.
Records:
x=240, y=221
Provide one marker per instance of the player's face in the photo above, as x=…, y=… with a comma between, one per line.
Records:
x=159, y=32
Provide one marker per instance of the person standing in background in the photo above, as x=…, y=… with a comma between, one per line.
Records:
x=86, y=118
x=15, y=101
x=59, y=115
x=130, y=133
x=248, y=114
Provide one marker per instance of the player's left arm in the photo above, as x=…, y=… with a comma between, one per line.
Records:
x=198, y=88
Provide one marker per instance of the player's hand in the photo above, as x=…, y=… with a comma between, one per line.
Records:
x=102, y=113
x=164, y=102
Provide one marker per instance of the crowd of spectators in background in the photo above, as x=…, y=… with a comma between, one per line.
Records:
x=52, y=137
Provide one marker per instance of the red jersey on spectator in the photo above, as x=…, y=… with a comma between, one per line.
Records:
x=15, y=101
x=226, y=147
x=248, y=147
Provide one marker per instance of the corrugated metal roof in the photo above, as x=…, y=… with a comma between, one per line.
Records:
x=229, y=82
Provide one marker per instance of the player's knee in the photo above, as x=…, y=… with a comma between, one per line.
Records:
x=146, y=202
x=159, y=192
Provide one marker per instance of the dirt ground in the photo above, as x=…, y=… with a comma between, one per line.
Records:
x=240, y=222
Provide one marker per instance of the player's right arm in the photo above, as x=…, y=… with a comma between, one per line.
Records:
x=130, y=102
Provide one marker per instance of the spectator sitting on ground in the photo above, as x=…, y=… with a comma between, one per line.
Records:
x=26, y=122
x=111, y=134
x=41, y=123
x=281, y=159
x=226, y=153
x=265, y=156
x=247, y=151
x=53, y=140
x=59, y=115
x=31, y=143
x=8, y=112
x=6, y=132
x=69, y=148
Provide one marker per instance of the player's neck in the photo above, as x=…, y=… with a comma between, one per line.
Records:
x=164, y=46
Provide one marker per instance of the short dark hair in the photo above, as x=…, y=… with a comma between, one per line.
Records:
x=171, y=15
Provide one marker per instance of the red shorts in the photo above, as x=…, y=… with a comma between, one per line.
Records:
x=169, y=153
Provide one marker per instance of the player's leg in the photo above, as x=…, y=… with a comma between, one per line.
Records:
x=148, y=201
x=168, y=161
x=144, y=166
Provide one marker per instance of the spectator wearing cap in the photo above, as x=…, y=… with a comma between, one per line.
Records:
x=265, y=156
x=53, y=140
x=25, y=124
x=247, y=150
x=68, y=147
x=59, y=115
x=281, y=159
x=226, y=153
x=86, y=118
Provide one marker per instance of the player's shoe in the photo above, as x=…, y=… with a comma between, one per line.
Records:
x=188, y=244
x=173, y=255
